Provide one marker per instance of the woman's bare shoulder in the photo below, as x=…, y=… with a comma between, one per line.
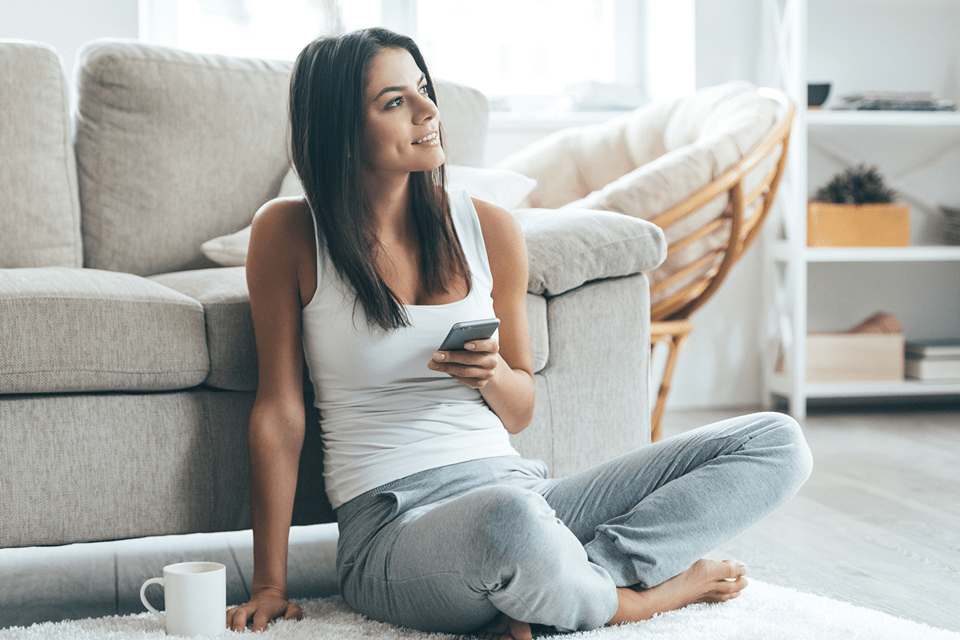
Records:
x=285, y=218
x=283, y=245
x=500, y=228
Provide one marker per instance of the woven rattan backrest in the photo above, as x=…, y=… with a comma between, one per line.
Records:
x=739, y=221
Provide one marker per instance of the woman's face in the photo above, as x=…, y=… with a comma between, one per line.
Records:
x=401, y=122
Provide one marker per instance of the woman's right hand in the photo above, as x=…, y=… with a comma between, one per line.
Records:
x=263, y=607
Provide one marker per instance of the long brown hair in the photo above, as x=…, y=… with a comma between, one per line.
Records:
x=327, y=89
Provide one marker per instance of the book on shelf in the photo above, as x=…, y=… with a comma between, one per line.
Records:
x=895, y=101
x=932, y=359
x=932, y=368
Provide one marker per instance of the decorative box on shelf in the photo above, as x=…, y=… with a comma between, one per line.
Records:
x=857, y=225
x=855, y=357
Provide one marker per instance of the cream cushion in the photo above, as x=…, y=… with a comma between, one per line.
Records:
x=81, y=330
x=647, y=161
x=500, y=186
x=173, y=148
x=39, y=204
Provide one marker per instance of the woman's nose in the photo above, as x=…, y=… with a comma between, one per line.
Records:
x=427, y=110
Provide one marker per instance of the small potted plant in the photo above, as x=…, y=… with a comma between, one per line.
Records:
x=856, y=209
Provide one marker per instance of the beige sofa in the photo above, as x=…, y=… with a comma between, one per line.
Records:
x=128, y=367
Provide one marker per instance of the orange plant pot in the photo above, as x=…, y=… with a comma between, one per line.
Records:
x=857, y=225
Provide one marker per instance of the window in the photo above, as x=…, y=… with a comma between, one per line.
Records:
x=526, y=54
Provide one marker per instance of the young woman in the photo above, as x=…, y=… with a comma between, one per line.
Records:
x=443, y=526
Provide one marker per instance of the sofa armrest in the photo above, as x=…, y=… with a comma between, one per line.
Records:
x=570, y=247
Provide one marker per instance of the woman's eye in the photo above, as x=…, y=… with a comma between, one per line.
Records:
x=424, y=90
x=396, y=102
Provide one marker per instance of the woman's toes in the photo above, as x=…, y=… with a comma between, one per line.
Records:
x=731, y=588
x=734, y=569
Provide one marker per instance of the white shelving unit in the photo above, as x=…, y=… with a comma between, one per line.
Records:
x=862, y=45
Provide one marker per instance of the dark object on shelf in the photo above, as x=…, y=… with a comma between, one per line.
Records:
x=817, y=93
x=951, y=224
x=856, y=185
x=936, y=348
x=896, y=101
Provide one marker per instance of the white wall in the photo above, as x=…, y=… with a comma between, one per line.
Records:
x=67, y=24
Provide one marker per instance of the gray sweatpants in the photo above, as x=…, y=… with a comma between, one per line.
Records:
x=448, y=548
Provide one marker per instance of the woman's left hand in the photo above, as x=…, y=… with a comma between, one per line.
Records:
x=474, y=366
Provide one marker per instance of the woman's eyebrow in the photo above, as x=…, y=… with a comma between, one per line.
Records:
x=423, y=77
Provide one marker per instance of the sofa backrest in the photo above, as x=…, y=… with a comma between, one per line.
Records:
x=175, y=148
x=39, y=206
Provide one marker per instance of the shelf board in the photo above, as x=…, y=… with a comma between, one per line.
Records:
x=780, y=386
x=839, y=118
x=881, y=389
x=940, y=253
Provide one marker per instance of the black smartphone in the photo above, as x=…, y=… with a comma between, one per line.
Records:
x=463, y=332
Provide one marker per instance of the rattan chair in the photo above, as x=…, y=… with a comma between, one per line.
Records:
x=705, y=168
x=743, y=215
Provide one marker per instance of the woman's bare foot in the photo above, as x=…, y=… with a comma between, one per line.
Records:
x=504, y=627
x=705, y=581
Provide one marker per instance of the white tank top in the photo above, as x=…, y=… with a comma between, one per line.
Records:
x=383, y=414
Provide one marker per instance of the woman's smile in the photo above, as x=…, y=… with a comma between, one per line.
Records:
x=431, y=139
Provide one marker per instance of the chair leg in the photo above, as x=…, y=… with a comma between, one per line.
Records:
x=674, y=333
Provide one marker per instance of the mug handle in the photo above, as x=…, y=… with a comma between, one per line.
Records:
x=143, y=597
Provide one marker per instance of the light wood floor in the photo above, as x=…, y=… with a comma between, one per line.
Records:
x=877, y=525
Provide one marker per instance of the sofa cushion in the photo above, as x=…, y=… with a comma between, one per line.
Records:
x=229, y=325
x=39, y=205
x=173, y=148
x=570, y=247
x=81, y=330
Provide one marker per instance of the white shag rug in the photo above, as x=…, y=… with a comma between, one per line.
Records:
x=763, y=612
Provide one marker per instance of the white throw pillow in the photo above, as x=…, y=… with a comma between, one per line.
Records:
x=501, y=187
x=228, y=251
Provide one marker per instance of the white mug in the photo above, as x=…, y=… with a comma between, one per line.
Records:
x=196, y=597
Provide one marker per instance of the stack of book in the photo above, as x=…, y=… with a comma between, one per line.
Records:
x=932, y=360
x=896, y=101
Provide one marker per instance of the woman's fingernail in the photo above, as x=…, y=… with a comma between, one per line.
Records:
x=439, y=356
x=470, y=346
x=742, y=571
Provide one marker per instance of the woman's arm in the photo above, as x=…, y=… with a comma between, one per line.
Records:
x=502, y=369
x=276, y=429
